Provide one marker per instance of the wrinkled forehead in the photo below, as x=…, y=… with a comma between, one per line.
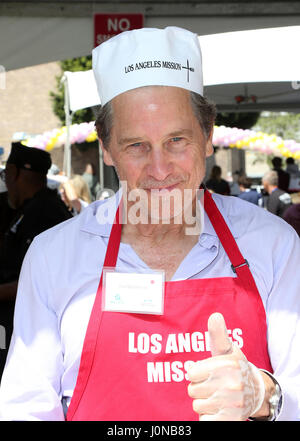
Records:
x=153, y=111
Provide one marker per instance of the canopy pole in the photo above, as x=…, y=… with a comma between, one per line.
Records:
x=68, y=118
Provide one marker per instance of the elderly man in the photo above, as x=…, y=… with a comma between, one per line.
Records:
x=125, y=304
x=278, y=200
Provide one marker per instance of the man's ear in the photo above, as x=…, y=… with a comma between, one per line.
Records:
x=106, y=154
x=209, y=145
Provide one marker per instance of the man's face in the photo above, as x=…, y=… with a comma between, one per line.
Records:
x=156, y=141
x=265, y=185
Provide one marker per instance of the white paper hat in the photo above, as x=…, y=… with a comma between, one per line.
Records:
x=148, y=57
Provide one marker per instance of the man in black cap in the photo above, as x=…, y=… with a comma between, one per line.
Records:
x=37, y=208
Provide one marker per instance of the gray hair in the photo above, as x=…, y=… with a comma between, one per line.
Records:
x=271, y=177
x=203, y=109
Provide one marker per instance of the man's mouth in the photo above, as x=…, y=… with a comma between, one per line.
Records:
x=160, y=189
x=164, y=189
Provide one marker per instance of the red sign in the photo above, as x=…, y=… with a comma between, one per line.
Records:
x=108, y=25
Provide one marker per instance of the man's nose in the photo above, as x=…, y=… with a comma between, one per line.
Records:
x=160, y=164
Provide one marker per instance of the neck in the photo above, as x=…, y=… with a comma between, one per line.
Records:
x=157, y=234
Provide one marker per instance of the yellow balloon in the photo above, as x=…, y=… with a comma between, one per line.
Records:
x=91, y=137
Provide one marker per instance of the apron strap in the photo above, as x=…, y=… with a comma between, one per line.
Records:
x=239, y=264
x=91, y=336
x=114, y=240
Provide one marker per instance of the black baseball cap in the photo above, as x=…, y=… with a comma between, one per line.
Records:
x=29, y=158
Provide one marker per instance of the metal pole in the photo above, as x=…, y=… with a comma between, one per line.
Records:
x=68, y=118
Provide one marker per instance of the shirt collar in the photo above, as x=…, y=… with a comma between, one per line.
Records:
x=99, y=216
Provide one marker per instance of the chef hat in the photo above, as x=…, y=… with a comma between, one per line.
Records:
x=29, y=158
x=148, y=57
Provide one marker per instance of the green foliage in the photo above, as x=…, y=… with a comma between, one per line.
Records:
x=285, y=125
x=241, y=120
x=58, y=97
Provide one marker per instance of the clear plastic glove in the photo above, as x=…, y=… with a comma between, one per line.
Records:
x=226, y=386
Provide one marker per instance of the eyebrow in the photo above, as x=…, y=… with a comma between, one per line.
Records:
x=123, y=141
x=179, y=132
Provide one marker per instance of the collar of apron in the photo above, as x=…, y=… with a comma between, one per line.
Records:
x=92, y=224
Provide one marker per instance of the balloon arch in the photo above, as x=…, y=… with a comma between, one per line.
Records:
x=232, y=137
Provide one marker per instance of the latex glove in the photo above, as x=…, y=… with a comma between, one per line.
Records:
x=226, y=386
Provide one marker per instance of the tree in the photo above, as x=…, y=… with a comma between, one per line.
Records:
x=283, y=124
x=241, y=120
x=58, y=97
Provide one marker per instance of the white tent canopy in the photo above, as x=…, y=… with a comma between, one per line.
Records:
x=82, y=90
x=252, y=57
x=259, y=65
x=261, y=55
x=80, y=93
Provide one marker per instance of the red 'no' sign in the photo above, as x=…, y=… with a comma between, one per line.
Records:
x=108, y=25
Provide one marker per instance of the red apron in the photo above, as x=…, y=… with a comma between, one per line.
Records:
x=133, y=366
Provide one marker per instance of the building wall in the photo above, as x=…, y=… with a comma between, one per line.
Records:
x=25, y=104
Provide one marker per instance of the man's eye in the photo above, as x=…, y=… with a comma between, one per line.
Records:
x=136, y=144
x=176, y=139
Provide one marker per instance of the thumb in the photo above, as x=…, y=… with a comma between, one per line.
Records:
x=220, y=344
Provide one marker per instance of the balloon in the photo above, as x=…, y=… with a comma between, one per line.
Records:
x=222, y=136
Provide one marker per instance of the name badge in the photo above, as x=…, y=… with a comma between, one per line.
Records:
x=141, y=293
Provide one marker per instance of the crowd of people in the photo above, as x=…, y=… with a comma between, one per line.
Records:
x=34, y=197
x=274, y=193
x=39, y=204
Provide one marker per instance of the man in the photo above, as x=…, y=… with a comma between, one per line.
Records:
x=247, y=193
x=36, y=208
x=283, y=176
x=278, y=200
x=123, y=301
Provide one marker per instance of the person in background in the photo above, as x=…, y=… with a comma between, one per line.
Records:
x=36, y=208
x=215, y=183
x=283, y=176
x=54, y=170
x=292, y=213
x=247, y=193
x=292, y=216
x=75, y=194
x=234, y=186
x=90, y=178
x=278, y=200
x=104, y=194
x=291, y=168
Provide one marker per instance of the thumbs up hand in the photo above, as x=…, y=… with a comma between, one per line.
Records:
x=226, y=386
